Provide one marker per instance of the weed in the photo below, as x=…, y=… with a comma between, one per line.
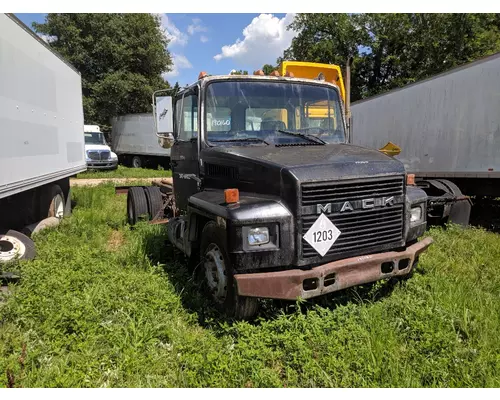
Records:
x=104, y=305
x=125, y=172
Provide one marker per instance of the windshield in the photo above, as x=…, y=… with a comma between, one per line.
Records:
x=273, y=112
x=94, y=138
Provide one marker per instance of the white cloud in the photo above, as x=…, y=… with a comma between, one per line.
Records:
x=172, y=33
x=204, y=39
x=264, y=40
x=196, y=26
x=46, y=38
x=179, y=62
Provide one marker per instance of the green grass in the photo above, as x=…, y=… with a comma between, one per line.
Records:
x=104, y=305
x=125, y=172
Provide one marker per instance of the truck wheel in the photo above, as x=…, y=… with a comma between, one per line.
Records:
x=52, y=202
x=67, y=206
x=137, y=205
x=155, y=201
x=218, y=275
x=136, y=162
x=15, y=245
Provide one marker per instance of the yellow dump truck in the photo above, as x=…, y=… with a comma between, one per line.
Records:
x=300, y=69
x=318, y=113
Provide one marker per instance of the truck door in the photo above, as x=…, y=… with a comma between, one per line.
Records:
x=184, y=152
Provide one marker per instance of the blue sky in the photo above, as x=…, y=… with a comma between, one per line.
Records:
x=217, y=43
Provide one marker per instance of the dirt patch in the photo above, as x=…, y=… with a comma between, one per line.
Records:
x=94, y=182
x=115, y=241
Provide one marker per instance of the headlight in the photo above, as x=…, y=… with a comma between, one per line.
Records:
x=416, y=214
x=258, y=236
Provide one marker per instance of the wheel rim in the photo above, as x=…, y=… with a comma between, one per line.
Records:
x=10, y=248
x=136, y=162
x=58, y=206
x=216, y=273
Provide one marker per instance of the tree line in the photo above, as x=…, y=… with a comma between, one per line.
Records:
x=392, y=50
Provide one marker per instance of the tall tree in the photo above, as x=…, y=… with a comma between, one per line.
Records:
x=121, y=58
x=391, y=50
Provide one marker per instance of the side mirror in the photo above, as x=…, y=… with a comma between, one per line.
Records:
x=164, y=120
x=390, y=149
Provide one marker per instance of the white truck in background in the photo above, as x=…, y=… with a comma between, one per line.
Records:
x=98, y=154
x=41, y=136
x=134, y=141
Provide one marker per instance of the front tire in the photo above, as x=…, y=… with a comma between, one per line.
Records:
x=218, y=275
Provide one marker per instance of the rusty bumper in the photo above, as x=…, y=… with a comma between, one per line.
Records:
x=327, y=278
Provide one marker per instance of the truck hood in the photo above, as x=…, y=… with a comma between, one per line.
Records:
x=97, y=147
x=265, y=169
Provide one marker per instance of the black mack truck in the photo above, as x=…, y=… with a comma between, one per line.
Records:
x=269, y=199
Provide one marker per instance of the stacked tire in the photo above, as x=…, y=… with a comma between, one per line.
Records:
x=144, y=203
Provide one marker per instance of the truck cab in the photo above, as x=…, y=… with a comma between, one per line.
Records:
x=98, y=154
x=284, y=208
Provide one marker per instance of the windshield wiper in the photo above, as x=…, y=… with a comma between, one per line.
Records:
x=256, y=140
x=311, y=138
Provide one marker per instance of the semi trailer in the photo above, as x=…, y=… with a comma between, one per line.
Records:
x=282, y=208
x=133, y=139
x=41, y=136
x=448, y=130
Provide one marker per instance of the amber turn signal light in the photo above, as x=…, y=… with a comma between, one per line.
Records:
x=410, y=179
x=231, y=196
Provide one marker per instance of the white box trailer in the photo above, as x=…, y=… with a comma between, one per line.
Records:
x=135, y=142
x=447, y=126
x=41, y=130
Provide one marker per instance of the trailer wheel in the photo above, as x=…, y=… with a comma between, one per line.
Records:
x=15, y=245
x=52, y=202
x=137, y=205
x=218, y=275
x=155, y=201
x=456, y=211
x=137, y=162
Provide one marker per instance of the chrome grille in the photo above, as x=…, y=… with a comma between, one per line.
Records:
x=360, y=228
x=98, y=155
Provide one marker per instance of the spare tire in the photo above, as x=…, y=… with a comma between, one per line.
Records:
x=155, y=201
x=15, y=245
x=137, y=205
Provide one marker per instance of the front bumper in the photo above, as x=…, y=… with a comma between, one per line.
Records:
x=330, y=277
x=109, y=164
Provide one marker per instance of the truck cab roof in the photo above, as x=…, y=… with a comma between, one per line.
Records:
x=274, y=79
